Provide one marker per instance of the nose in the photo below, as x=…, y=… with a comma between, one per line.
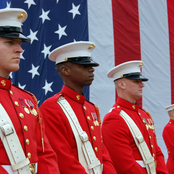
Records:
x=18, y=49
x=141, y=84
x=91, y=69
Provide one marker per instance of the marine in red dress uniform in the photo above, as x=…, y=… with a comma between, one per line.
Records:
x=22, y=109
x=168, y=136
x=116, y=134
x=20, y=105
x=76, y=72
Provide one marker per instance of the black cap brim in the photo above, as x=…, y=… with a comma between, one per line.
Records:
x=135, y=76
x=15, y=36
x=82, y=61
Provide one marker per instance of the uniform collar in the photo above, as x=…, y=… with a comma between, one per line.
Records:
x=73, y=95
x=5, y=83
x=172, y=121
x=127, y=104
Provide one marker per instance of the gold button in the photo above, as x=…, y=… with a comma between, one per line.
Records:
x=11, y=92
x=21, y=115
x=118, y=106
x=96, y=149
x=94, y=138
x=88, y=117
x=170, y=122
x=29, y=155
x=84, y=107
x=139, y=113
x=27, y=141
x=151, y=146
x=25, y=128
x=150, y=137
x=92, y=127
x=133, y=106
x=153, y=155
x=16, y=103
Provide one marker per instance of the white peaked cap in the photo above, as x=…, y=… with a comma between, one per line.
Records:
x=71, y=50
x=170, y=108
x=130, y=69
x=12, y=17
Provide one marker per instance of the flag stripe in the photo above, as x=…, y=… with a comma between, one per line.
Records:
x=126, y=30
x=102, y=91
x=170, y=9
x=155, y=55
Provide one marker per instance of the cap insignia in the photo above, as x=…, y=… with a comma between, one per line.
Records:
x=121, y=75
x=140, y=64
x=21, y=15
x=91, y=47
x=66, y=59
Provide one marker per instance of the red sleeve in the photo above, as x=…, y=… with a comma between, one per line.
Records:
x=168, y=136
x=108, y=167
x=56, y=131
x=116, y=138
x=47, y=160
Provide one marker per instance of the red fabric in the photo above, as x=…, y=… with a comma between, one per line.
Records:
x=126, y=39
x=170, y=9
x=120, y=143
x=168, y=135
x=47, y=160
x=61, y=136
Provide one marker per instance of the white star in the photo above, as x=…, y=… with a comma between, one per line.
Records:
x=46, y=50
x=75, y=10
x=57, y=1
x=32, y=36
x=33, y=71
x=8, y=5
x=61, y=31
x=44, y=16
x=30, y=2
x=47, y=87
x=21, y=55
x=20, y=86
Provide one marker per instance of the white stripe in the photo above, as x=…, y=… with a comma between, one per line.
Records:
x=156, y=58
x=102, y=91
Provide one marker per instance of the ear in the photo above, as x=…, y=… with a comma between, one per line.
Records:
x=65, y=70
x=122, y=84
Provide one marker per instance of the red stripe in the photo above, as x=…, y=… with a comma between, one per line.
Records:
x=170, y=6
x=126, y=31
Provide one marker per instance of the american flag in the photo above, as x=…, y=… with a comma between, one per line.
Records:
x=50, y=23
x=122, y=30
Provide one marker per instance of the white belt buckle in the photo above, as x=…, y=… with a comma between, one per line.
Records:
x=7, y=129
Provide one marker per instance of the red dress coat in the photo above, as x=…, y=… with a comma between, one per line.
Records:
x=168, y=136
x=22, y=109
x=62, y=139
x=120, y=143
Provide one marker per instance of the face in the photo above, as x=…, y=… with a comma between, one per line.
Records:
x=133, y=89
x=80, y=75
x=10, y=50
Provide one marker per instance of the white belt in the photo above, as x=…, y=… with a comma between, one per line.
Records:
x=141, y=144
x=9, y=169
x=85, y=150
x=19, y=162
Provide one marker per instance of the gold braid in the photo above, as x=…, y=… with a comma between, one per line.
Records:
x=39, y=120
x=98, y=114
